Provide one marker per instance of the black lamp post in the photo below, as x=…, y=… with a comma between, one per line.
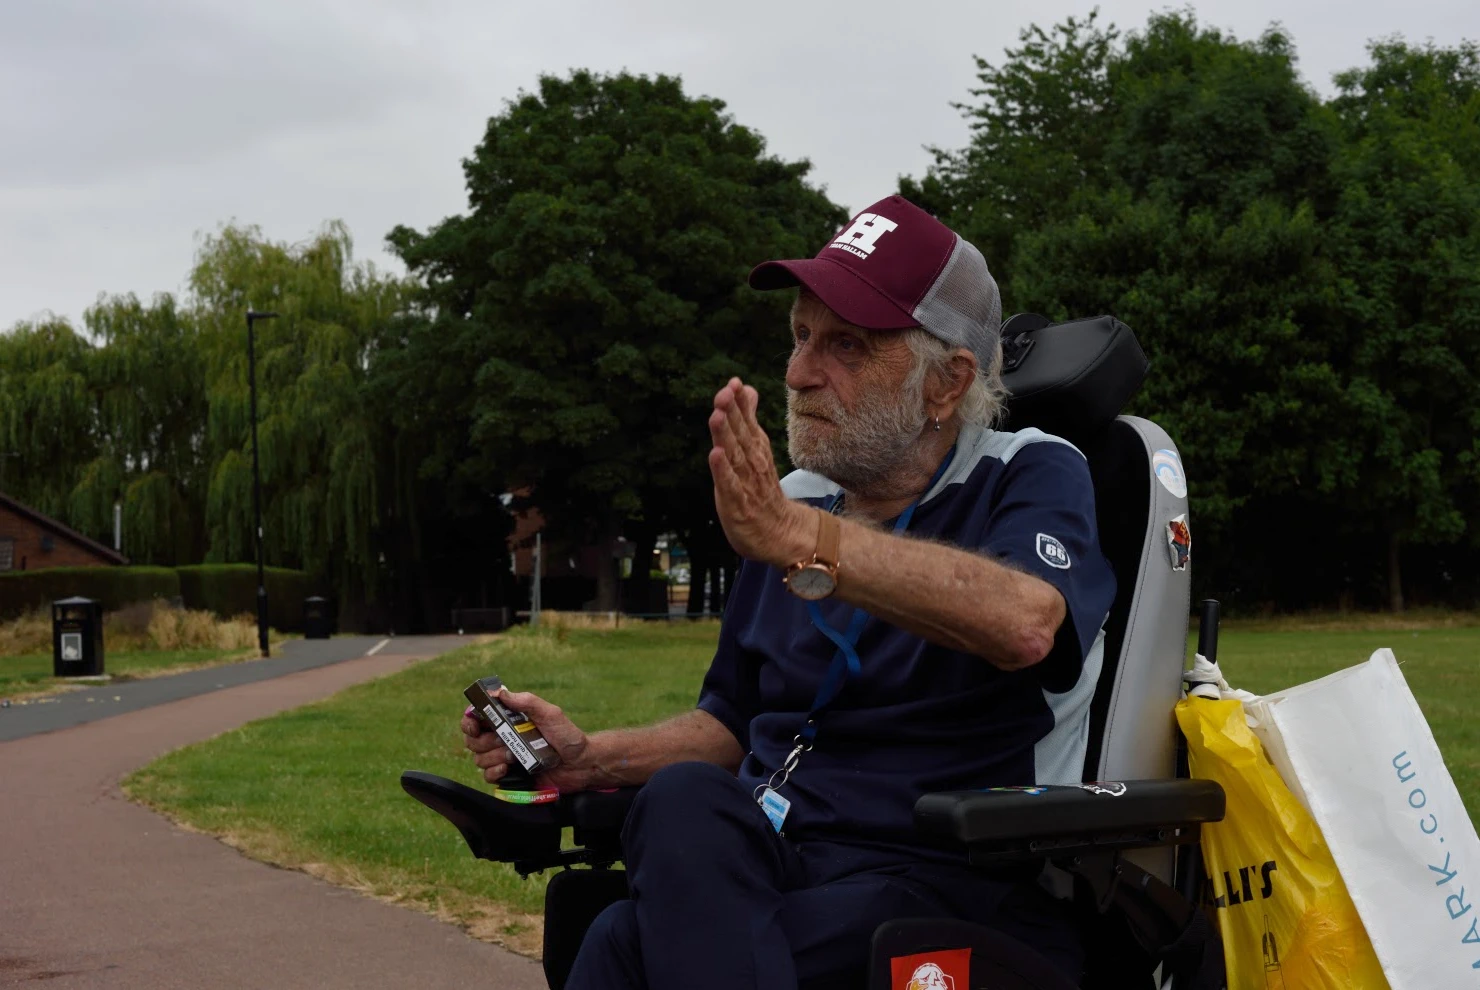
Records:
x=252, y=318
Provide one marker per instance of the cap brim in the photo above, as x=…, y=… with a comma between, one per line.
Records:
x=842, y=291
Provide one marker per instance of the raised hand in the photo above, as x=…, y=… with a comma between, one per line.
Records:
x=760, y=522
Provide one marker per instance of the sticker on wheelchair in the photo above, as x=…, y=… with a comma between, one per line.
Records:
x=1113, y=788
x=942, y=969
x=1017, y=790
x=774, y=806
x=1167, y=466
x=1179, y=542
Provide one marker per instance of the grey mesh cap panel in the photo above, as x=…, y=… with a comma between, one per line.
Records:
x=963, y=307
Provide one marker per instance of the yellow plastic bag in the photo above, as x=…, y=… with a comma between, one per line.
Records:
x=1286, y=918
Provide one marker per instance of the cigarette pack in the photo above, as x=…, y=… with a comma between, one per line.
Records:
x=533, y=753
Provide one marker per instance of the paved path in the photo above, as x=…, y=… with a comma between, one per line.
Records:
x=98, y=892
x=60, y=711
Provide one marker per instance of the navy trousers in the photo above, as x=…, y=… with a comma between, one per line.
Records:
x=719, y=900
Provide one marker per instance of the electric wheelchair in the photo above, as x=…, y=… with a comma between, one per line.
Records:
x=1123, y=844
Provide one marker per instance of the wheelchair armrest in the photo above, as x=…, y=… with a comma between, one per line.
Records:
x=528, y=835
x=494, y=830
x=1008, y=824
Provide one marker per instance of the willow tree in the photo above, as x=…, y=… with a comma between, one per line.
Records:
x=317, y=429
x=47, y=413
x=146, y=379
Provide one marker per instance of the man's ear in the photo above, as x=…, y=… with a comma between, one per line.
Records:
x=943, y=393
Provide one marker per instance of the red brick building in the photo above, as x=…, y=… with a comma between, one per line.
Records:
x=30, y=541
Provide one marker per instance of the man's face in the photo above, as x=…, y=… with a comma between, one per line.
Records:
x=851, y=413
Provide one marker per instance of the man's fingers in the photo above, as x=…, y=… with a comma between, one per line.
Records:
x=760, y=443
x=723, y=433
x=745, y=422
x=724, y=475
x=751, y=438
x=495, y=773
x=751, y=400
x=492, y=757
x=485, y=741
x=538, y=709
x=727, y=395
x=734, y=424
x=740, y=419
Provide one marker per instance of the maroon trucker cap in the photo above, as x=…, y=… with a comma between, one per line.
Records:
x=894, y=267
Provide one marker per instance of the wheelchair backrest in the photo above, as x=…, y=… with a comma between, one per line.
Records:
x=1073, y=379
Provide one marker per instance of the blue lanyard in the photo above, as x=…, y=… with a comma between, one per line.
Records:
x=845, y=663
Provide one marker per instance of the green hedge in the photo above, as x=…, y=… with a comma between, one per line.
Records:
x=231, y=589
x=115, y=587
x=226, y=589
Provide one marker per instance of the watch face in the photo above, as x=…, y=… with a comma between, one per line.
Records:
x=811, y=582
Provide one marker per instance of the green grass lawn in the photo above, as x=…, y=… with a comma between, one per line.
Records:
x=30, y=673
x=1442, y=667
x=317, y=788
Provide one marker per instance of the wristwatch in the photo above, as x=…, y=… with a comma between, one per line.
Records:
x=817, y=578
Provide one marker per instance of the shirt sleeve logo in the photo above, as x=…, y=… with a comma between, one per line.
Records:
x=1052, y=552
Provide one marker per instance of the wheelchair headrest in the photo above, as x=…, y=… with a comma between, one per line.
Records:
x=1069, y=379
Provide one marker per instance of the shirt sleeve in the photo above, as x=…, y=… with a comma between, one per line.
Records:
x=1043, y=522
x=731, y=689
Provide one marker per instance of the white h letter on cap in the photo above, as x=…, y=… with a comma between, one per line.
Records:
x=862, y=237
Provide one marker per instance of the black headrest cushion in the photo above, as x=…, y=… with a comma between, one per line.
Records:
x=1069, y=379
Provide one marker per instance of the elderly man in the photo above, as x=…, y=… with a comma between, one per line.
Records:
x=920, y=609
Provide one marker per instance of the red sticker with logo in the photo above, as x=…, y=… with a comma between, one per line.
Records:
x=1179, y=542
x=944, y=969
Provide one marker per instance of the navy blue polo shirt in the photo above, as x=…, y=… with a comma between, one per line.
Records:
x=922, y=717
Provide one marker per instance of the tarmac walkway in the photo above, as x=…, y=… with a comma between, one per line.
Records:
x=98, y=892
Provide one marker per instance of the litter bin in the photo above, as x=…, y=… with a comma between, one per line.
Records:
x=77, y=638
x=318, y=618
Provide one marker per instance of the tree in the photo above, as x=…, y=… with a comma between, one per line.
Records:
x=319, y=428
x=582, y=314
x=1189, y=179
x=1207, y=239
x=1304, y=276
x=1406, y=233
x=148, y=385
x=1039, y=136
x=47, y=413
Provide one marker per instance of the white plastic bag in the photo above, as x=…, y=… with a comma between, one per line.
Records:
x=1355, y=749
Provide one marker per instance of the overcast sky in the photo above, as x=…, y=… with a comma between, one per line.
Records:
x=127, y=127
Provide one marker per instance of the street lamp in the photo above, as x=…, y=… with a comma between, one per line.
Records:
x=252, y=318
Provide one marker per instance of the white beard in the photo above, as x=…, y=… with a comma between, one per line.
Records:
x=859, y=449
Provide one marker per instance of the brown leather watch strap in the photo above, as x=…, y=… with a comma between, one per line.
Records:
x=829, y=536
